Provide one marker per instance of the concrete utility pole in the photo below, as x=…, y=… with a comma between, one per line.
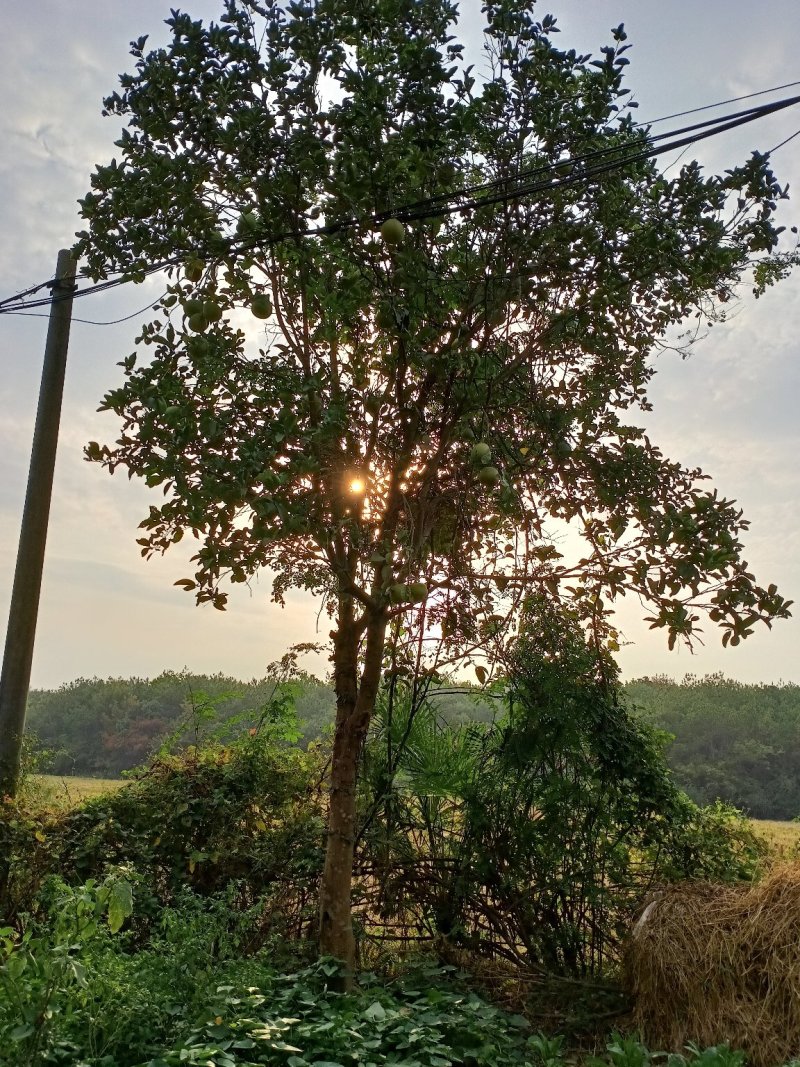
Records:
x=33, y=535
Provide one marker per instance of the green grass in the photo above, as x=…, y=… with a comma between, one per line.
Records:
x=65, y=792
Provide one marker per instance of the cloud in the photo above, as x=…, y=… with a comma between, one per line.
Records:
x=730, y=408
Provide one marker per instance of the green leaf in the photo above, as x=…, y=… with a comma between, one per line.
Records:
x=19, y=1033
x=375, y=1011
x=120, y=904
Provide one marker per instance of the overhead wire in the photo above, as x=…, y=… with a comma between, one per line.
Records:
x=722, y=123
x=615, y=165
x=93, y=322
x=28, y=292
x=785, y=141
x=440, y=205
x=124, y=277
x=719, y=103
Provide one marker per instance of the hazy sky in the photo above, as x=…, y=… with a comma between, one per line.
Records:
x=731, y=408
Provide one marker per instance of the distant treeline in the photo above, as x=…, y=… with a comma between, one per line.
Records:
x=739, y=743
x=101, y=727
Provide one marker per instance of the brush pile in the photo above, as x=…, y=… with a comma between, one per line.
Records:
x=720, y=964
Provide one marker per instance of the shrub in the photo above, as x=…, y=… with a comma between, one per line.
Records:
x=248, y=814
x=534, y=838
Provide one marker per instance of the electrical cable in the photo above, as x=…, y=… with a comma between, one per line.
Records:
x=92, y=322
x=721, y=121
x=651, y=122
x=719, y=103
x=28, y=292
x=438, y=206
x=784, y=142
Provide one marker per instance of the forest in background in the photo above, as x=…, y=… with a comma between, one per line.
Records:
x=723, y=739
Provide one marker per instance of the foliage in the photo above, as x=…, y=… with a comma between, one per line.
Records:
x=40, y=971
x=625, y=1050
x=116, y=1000
x=106, y=726
x=246, y=815
x=535, y=838
x=26, y=856
x=192, y=996
x=730, y=741
x=385, y=358
x=420, y=1020
x=736, y=742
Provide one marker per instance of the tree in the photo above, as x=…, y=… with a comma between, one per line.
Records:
x=434, y=392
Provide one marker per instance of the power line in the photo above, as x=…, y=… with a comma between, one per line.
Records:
x=719, y=103
x=124, y=278
x=91, y=322
x=721, y=122
x=29, y=292
x=451, y=203
x=784, y=142
x=635, y=158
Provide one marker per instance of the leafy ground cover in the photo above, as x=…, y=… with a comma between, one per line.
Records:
x=76, y=990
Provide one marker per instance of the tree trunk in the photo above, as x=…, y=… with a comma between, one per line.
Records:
x=355, y=702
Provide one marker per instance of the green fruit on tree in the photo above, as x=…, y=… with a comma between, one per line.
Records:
x=212, y=311
x=193, y=269
x=563, y=447
x=248, y=223
x=193, y=307
x=393, y=231
x=397, y=594
x=417, y=592
x=197, y=323
x=261, y=306
x=480, y=454
x=489, y=476
x=446, y=173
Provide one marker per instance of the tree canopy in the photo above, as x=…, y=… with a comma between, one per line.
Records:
x=447, y=366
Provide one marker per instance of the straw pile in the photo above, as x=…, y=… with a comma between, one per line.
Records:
x=719, y=964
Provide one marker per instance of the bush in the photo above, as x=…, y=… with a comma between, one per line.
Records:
x=535, y=838
x=247, y=814
x=423, y=1019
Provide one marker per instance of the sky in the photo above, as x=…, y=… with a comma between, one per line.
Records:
x=731, y=408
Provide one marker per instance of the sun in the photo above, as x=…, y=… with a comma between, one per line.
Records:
x=357, y=486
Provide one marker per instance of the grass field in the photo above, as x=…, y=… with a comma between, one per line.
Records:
x=64, y=792
x=784, y=837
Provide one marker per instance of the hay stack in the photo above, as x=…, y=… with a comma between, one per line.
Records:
x=720, y=964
